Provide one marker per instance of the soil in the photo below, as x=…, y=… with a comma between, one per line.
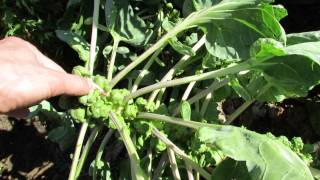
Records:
x=25, y=153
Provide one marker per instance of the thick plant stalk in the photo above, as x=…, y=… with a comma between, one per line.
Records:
x=172, y=120
x=116, y=41
x=86, y=149
x=199, y=77
x=94, y=34
x=180, y=153
x=136, y=171
x=173, y=164
x=85, y=125
x=158, y=45
x=173, y=70
x=100, y=151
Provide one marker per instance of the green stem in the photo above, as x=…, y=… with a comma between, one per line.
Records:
x=145, y=70
x=189, y=172
x=77, y=151
x=215, y=85
x=94, y=34
x=173, y=164
x=149, y=168
x=173, y=120
x=180, y=153
x=173, y=70
x=136, y=171
x=84, y=126
x=116, y=41
x=246, y=104
x=199, y=77
x=188, y=90
x=205, y=104
x=158, y=45
x=160, y=167
x=86, y=149
x=100, y=151
x=186, y=24
x=239, y=111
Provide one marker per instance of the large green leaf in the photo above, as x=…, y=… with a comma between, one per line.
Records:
x=232, y=37
x=294, y=72
x=265, y=158
x=121, y=20
x=233, y=26
x=230, y=169
x=296, y=38
x=76, y=42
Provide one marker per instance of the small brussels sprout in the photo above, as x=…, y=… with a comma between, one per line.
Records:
x=78, y=114
x=84, y=100
x=117, y=96
x=102, y=82
x=151, y=107
x=96, y=109
x=130, y=111
x=93, y=97
x=80, y=71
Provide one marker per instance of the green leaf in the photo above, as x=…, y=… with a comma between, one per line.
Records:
x=230, y=169
x=230, y=38
x=266, y=47
x=76, y=42
x=212, y=113
x=265, y=158
x=295, y=73
x=122, y=21
x=64, y=136
x=296, y=38
x=174, y=42
x=185, y=110
x=240, y=89
x=180, y=47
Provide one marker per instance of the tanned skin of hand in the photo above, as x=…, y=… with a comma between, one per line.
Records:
x=27, y=76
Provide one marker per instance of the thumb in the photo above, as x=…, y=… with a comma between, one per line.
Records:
x=76, y=86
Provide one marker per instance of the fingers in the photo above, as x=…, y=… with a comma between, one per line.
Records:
x=28, y=53
x=76, y=86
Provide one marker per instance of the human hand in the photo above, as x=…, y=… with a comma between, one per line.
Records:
x=27, y=76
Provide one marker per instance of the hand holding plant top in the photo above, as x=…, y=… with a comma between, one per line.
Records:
x=27, y=76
